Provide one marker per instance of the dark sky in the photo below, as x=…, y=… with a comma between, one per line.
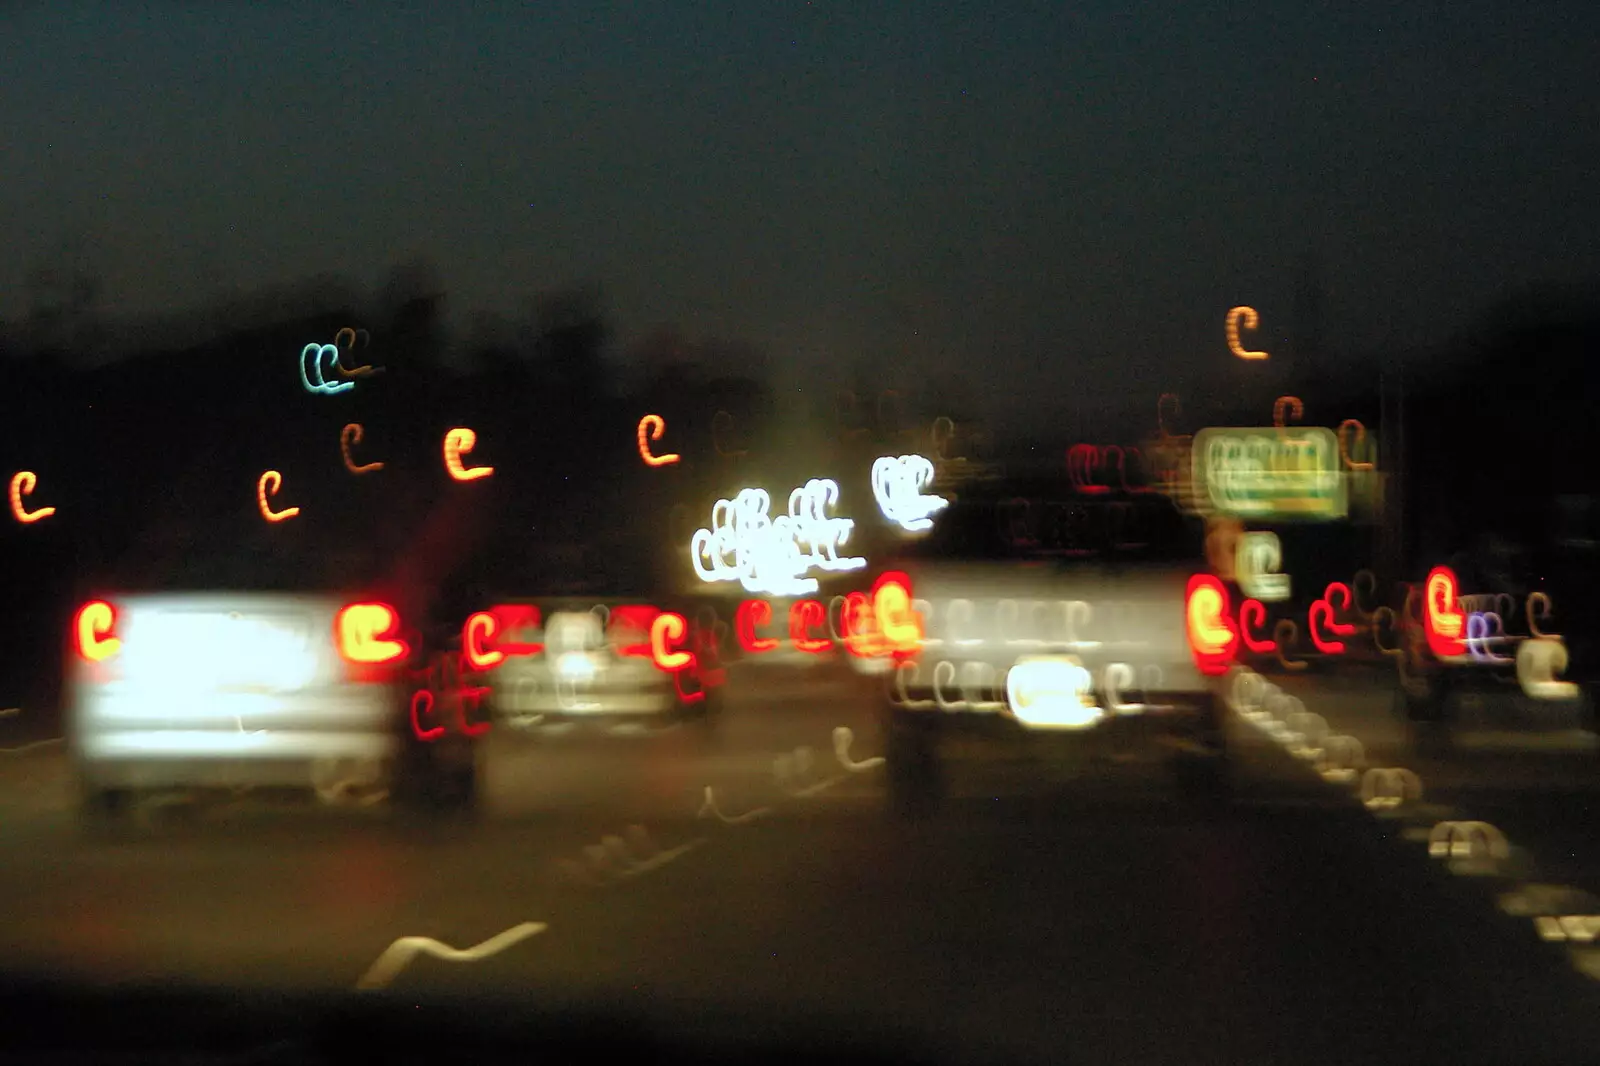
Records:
x=1058, y=198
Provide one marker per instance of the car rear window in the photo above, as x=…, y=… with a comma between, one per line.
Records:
x=1023, y=522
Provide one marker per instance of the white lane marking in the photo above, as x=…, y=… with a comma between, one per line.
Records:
x=843, y=738
x=709, y=808
x=398, y=955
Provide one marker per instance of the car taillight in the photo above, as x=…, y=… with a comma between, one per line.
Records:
x=666, y=630
x=476, y=635
x=630, y=627
x=1213, y=638
x=94, y=631
x=1442, y=621
x=899, y=624
x=367, y=634
x=746, y=617
x=517, y=620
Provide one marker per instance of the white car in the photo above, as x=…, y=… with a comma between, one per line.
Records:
x=193, y=690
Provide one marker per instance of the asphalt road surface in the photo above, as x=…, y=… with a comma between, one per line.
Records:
x=1081, y=912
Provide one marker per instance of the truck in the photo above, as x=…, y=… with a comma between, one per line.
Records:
x=1034, y=615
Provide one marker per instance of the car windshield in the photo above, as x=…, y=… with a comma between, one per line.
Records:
x=1023, y=532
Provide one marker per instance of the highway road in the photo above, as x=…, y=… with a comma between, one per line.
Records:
x=1088, y=913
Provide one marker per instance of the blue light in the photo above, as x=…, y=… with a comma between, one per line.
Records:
x=320, y=353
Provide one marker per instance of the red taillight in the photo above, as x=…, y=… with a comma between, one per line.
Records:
x=899, y=624
x=367, y=634
x=1254, y=613
x=630, y=629
x=1442, y=621
x=746, y=617
x=515, y=620
x=1213, y=638
x=803, y=614
x=667, y=629
x=476, y=635
x=94, y=631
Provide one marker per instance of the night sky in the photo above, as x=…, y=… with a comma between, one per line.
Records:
x=1054, y=198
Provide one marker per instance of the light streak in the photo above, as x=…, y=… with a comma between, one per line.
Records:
x=1442, y=620
x=480, y=626
x=1388, y=787
x=354, y=335
x=457, y=441
x=263, y=491
x=311, y=374
x=803, y=614
x=398, y=955
x=23, y=483
x=709, y=808
x=767, y=552
x=895, y=614
x=1050, y=692
x=1258, y=556
x=1479, y=636
x=843, y=738
x=1466, y=840
x=1543, y=612
x=95, y=622
x=651, y=427
x=1344, y=446
x=1118, y=677
x=1539, y=660
x=746, y=617
x=1286, y=633
x=1212, y=634
x=420, y=696
x=1082, y=462
x=1250, y=320
x=1286, y=403
x=897, y=485
x=1324, y=607
x=351, y=434
x=667, y=629
x=1259, y=610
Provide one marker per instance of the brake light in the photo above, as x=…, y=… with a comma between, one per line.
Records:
x=514, y=619
x=1254, y=613
x=746, y=617
x=1213, y=638
x=667, y=629
x=1442, y=621
x=804, y=614
x=860, y=634
x=367, y=634
x=481, y=627
x=633, y=621
x=94, y=629
x=900, y=625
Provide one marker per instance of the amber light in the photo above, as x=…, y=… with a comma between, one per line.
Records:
x=1249, y=319
x=457, y=442
x=94, y=628
x=351, y=434
x=650, y=428
x=268, y=485
x=23, y=484
x=367, y=634
x=1212, y=635
x=1442, y=621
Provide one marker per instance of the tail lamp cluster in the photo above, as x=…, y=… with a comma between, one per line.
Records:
x=490, y=637
x=879, y=624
